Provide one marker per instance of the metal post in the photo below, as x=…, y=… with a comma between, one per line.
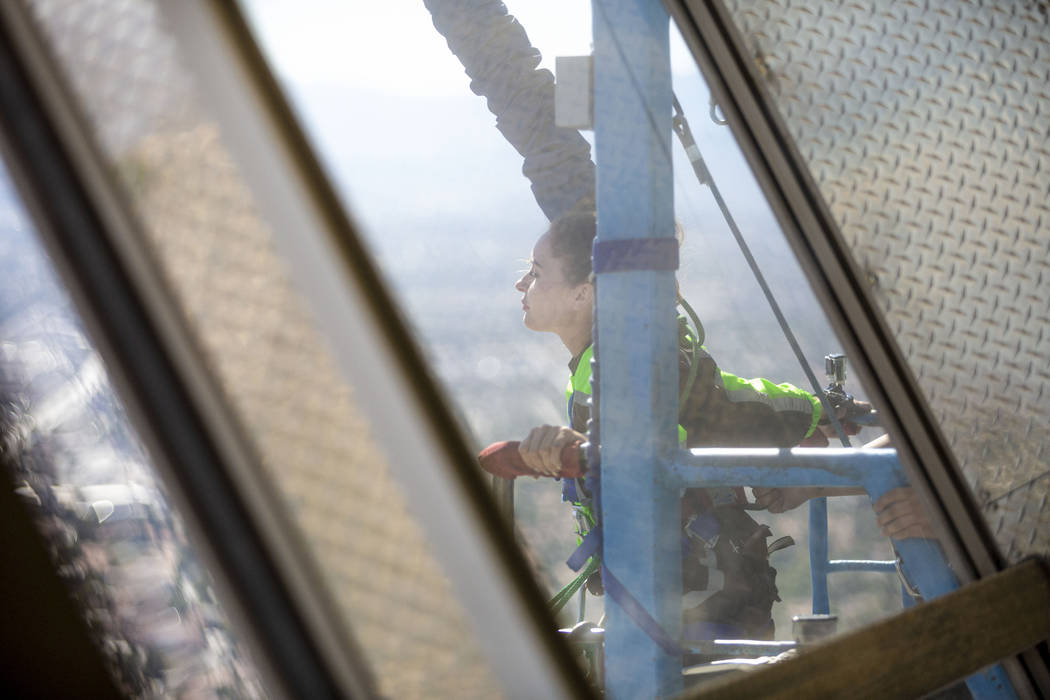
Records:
x=638, y=344
x=818, y=555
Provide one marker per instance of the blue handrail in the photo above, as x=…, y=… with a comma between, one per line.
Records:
x=820, y=564
x=923, y=561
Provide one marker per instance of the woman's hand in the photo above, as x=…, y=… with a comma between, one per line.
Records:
x=541, y=450
x=779, y=500
x=900, y=514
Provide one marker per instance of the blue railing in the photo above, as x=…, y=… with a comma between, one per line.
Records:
x=820, y=565
x=876, y=470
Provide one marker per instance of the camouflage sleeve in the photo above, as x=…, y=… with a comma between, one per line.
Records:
x=723, y=410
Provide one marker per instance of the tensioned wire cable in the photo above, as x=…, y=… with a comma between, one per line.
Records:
x=681, y=128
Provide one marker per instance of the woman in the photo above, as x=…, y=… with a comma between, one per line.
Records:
x=728, y=585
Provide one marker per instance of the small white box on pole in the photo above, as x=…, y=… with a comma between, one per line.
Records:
x=574, y=92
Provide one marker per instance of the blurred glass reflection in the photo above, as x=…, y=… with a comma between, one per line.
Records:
x=76, y=462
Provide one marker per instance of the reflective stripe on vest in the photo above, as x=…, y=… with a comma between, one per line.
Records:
x=580, y=382
x=779, y=397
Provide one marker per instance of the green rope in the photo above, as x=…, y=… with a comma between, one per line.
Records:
x=565, y=594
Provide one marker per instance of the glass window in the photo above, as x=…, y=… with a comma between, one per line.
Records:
x=265, y=351
x=77, y=464
x=744, y=336
x=439, y=194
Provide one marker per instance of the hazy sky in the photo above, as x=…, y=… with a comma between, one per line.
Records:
x=329, y=41
x=434, y=184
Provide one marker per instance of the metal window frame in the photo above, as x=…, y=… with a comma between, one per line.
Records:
x=93, y=237
x=268, y=581
x=409, y=417
x=722, y=56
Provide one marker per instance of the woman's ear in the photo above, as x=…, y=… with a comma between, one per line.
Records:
x=584, y=294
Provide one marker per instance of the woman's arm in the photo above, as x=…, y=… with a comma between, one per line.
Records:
x=723, y=410
x=780, y=500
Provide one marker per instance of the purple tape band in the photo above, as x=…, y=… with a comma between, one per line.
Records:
x=626, y=254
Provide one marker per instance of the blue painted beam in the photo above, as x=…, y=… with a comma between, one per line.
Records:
x=836, y=566
x=878, y=471
x=636, y=344
x=800, y=466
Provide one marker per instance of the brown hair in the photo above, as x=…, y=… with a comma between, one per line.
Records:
x=572, y=236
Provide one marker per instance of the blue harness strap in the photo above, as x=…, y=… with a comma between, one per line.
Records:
x=590, y=545
x=637, y=612
x=569, y=494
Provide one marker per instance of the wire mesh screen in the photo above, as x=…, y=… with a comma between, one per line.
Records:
x=264, y=348
x=925, y=126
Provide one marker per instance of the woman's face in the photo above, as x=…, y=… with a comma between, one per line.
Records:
x=549, y=302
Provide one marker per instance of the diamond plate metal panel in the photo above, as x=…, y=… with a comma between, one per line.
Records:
x=926, y=125
x=265, y=348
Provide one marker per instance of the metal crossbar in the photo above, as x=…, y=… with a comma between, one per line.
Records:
x=923, y=562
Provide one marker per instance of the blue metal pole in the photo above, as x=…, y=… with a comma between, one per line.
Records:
x=922, y=560
x=878, y=471
x=818, y=555
x=924, y=564
x=640, y=510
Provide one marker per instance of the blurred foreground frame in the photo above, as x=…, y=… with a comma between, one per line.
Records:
x=84, y=221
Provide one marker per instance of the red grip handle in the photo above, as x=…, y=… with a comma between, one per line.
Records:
x=504, y=460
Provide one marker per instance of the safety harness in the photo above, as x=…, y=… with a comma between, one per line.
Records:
x=702, y=527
